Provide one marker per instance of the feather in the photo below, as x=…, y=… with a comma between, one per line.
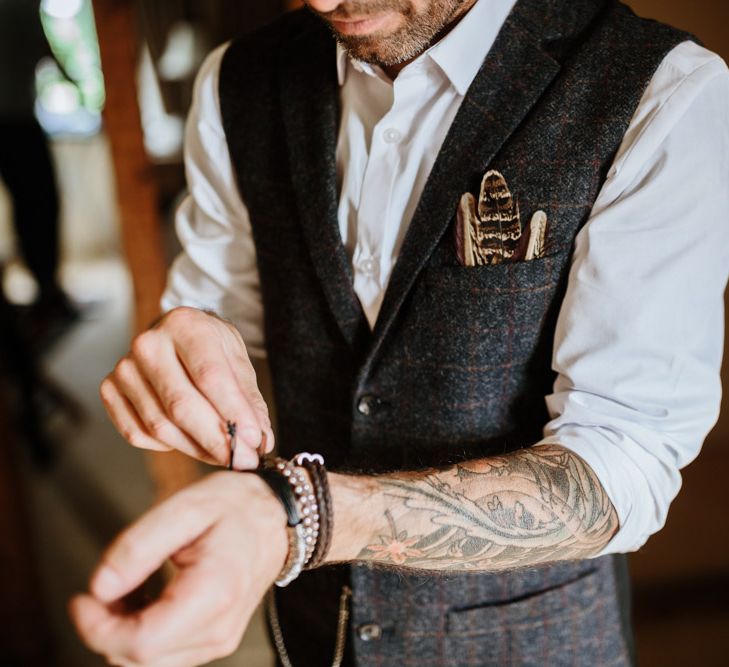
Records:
x=487, y=232
x=499, y=226
x=465, y=230
x=537, y=235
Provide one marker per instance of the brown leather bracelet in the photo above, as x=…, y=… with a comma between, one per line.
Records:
x=315, y=467
x=323, y=495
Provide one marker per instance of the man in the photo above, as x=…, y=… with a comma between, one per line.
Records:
x=414, y=332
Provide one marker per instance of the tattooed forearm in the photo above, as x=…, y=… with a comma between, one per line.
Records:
x=535, y=505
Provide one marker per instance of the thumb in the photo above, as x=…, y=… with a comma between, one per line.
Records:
x=247, y=378
x=143, y=547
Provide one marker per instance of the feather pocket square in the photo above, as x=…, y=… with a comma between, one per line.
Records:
x=489, y=231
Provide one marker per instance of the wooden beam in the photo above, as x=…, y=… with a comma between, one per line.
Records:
x=137, y=195
x=136, y=188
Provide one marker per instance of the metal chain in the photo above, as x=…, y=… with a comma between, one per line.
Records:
x=342, y=620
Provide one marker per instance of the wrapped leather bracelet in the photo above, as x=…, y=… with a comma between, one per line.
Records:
x=282, y=490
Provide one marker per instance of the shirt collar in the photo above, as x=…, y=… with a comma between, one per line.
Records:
x=460, y=53
x=343, y=60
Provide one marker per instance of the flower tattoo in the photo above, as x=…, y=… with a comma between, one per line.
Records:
x=395, y=548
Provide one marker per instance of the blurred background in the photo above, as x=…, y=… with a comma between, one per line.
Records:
x=85, y=239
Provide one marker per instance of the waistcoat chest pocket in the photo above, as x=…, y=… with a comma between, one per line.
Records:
x=493, y=312
x=508, y=276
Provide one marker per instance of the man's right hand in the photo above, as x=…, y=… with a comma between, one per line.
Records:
x=180, y=384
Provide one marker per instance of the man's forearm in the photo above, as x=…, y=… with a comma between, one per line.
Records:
x=531, y=506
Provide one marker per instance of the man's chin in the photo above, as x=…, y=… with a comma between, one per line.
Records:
x=367, y=50
x=366, y=27
x=378, y=51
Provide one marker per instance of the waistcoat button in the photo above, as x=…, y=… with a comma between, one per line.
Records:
x=366, y=405
x=369, y=632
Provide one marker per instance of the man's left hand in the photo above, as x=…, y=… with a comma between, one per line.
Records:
x=226, y=536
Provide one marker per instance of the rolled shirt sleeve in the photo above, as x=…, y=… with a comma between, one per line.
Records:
x=217, y=268
x=639, y=338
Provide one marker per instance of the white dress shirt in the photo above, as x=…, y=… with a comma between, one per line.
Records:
x=638, y=344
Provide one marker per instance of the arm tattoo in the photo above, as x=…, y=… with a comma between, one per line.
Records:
x=535, y=505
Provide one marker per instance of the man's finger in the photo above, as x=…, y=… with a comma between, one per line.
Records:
x=150, y=412
x=189, y=658
x=93, y=620
x=196, y=615
x=186, y=407
x=143, y=547
x=215, y=377
x=175, y=624
x=245, y=375
x=125, y=418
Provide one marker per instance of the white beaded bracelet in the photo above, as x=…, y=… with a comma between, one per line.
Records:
x=306, y=501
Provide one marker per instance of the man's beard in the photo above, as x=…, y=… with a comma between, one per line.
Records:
x=415, y=36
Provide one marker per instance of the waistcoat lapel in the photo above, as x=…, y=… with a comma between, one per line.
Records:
x=511, y=80
x=310, y=103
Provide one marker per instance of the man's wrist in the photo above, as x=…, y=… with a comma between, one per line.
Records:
x=293, y=491
x=269, y=515
x=356, y=499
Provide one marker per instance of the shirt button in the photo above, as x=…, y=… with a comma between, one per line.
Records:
x=366, y=405
x=369, y=632
x=368, y=267
x=391, y=135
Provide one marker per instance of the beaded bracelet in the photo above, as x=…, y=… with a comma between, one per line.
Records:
x=306, y=499
x=314, y=464
x=295, y=529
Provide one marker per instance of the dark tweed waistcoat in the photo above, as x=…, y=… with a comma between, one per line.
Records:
x=459, y=361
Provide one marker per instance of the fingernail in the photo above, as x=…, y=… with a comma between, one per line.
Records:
x=251, y=436
x=106, y=584
x=244, y=459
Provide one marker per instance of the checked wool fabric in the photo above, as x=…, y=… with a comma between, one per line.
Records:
x=459, y=361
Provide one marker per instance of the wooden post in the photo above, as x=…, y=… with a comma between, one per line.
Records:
x=137, y=195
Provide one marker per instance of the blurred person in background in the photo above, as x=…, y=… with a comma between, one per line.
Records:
x=359, y=209
x=27, y=170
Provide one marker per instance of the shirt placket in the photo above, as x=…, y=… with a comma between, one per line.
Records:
x=376, y=230
x=373, y=217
